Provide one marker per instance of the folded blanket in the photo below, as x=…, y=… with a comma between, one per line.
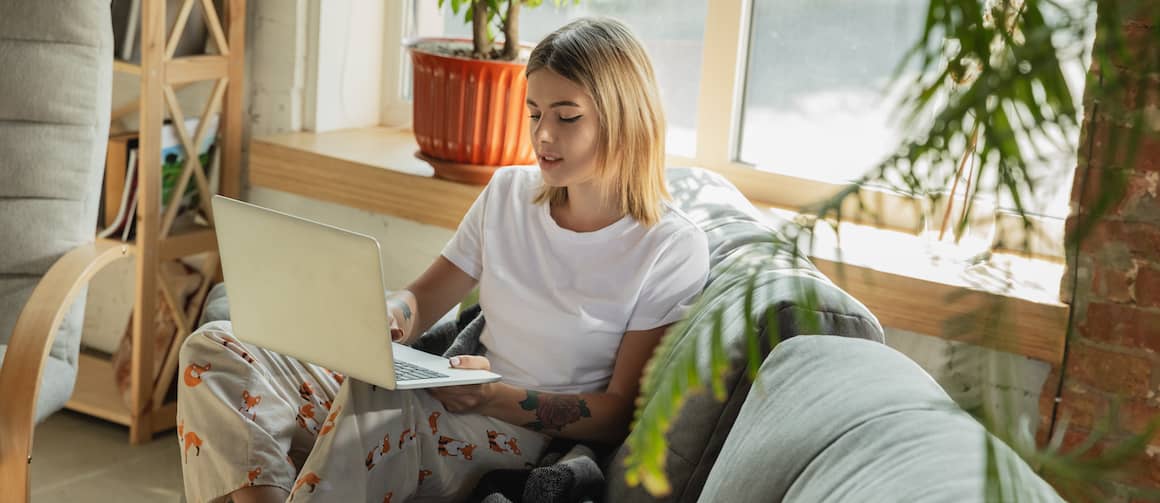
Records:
x=454, y=338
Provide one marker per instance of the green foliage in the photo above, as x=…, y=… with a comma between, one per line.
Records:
x=985, y=69
x=496, y=18
x=738, y=300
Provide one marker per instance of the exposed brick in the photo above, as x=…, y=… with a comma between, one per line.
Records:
x=1141, y=202
x=1142, y=91
x=1100, y=323
x=1148, y=154
x=1082, y=407
x=1144, y=470
x=1137, y=414
x=1124, y=374
x=1124, y=325
x=1114, y=284
x=1141, y=330
x=1090, y=184
x=1110, y=143
x=1086, y=408
x=1148, y=287
x=1141, y=240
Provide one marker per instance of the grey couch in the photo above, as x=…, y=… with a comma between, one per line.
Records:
x=835, y=414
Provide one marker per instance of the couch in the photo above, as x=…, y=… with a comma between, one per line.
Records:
x=55, y=89
x=834, y=414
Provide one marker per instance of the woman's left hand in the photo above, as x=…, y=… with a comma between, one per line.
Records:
x=466, y=398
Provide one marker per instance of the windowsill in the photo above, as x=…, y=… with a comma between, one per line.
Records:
x=890, y=272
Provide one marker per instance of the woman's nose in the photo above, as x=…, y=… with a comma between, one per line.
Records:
x=540, y=132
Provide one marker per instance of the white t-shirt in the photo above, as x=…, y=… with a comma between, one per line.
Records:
x=558, y=302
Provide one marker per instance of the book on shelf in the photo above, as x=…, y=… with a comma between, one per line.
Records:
x=120, y=200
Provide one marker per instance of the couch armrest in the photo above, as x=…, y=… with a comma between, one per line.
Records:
x=29, y=347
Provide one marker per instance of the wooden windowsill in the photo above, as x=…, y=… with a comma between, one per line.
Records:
x=891, y=272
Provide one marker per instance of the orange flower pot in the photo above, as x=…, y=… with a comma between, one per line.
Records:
x=468, y=116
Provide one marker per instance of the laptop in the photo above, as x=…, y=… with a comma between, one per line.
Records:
x=315, y=292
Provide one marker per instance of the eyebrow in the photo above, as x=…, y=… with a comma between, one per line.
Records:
x=564, y=103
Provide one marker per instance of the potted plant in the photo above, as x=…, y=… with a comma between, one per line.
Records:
x=469, y=95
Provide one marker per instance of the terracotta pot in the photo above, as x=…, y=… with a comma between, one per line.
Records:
x=469, y=116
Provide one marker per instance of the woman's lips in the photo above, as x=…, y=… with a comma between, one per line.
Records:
x=549, y=161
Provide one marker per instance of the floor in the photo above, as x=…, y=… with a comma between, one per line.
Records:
x=79, y=458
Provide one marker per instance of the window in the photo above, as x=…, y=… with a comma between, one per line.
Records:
x=672, y=32
x=815, y=103
x=791, y=103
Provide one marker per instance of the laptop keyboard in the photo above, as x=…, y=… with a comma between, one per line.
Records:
x=410, y=372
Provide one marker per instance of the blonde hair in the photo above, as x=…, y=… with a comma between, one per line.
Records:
x=602, y=56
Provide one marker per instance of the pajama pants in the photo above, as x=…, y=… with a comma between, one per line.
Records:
x=247, y=416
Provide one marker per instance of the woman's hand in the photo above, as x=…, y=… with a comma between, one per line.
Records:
x=396, y=330
x=470, y=397
x=400, y=315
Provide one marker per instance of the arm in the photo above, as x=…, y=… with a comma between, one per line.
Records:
x=602, y=417
x=417, y=307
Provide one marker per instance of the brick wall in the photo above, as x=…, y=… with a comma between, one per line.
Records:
x=1114, y=351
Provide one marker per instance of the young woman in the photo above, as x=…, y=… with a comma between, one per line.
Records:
x=582, y=265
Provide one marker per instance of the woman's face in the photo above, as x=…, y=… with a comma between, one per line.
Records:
x=564, y=127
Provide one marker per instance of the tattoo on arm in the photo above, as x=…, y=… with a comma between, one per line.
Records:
x=554, y=412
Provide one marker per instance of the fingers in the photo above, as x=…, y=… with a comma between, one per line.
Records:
x=396, y=332
x=470, y=362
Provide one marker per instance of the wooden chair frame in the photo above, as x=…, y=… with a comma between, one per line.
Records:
x=28, y=350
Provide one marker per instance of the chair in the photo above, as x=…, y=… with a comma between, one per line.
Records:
x=56, y=63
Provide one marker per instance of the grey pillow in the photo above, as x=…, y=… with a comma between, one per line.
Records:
x=840, y=419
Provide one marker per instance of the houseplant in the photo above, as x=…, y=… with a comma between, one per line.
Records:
x=468, y=114
x=1019, y=92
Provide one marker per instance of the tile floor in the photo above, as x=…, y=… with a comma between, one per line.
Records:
x=79, y=458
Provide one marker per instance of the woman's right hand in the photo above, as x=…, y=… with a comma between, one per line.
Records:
x=396, y=330
x=400, y=315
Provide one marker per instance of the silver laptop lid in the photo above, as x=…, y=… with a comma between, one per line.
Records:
x=336, y=288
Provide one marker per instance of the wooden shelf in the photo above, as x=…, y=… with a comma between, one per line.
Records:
x=188, y=243
x=178, y=245
x=160, y=76
x=196, y=68
x=126, y=67
x=184, y=70
x=96, y=394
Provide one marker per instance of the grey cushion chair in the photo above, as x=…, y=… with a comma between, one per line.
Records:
x=55, y=88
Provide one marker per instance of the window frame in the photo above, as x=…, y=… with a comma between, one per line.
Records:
x=719, y=107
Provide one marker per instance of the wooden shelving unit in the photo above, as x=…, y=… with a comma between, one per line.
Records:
x=161, y=75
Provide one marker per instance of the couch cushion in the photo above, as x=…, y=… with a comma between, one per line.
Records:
x=744, y=245
x=839, y=419
x=56, y=385
x=54, y=121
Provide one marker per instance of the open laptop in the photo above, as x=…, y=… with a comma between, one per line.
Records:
x=315, y=292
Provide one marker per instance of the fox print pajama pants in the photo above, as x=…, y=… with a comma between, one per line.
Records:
x=247, y=416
